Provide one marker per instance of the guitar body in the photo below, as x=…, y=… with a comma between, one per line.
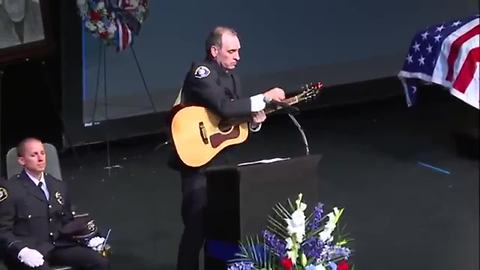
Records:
x=198, y=137
x=198, y=134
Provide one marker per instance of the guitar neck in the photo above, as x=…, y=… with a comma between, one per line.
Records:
x=290, y=101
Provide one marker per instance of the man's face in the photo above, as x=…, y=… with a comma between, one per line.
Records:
x=33, y=158
x=229, y=54
x=15, y=9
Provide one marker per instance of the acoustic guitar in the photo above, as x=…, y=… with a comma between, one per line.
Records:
x=199, y=135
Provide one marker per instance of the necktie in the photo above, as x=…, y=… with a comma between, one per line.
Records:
x=44, y=189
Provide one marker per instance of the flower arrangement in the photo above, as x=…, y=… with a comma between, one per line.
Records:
x=98, y=19
x=114, y=22
x=293, y=241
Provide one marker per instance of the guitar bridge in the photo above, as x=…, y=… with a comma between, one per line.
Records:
x=203, y=132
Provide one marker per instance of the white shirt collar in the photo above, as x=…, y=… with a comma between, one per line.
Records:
x=35, y=180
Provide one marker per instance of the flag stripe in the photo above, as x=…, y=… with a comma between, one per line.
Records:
x=467, y=72
x=455, y=49
x=120, y=34
x=440, y=71
x=462, y=57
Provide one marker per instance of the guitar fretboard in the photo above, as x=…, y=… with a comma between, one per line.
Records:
x=290, y=101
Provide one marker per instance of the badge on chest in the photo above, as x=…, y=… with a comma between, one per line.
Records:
x=3, y=194
x=59, y=198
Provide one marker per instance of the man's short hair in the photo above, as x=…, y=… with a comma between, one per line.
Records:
x=22, y=143
x=214, y=38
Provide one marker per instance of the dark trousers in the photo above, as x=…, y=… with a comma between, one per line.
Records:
x=77, y=257
x=194, y=200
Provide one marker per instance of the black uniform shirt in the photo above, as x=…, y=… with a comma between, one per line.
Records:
x=208, y=85
x=27, y=218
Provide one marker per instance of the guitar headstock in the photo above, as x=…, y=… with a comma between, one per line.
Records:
x=310, y=91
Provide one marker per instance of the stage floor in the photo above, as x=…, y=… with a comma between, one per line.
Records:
x=407, y=179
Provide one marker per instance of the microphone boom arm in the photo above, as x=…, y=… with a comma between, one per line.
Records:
x=302, y=133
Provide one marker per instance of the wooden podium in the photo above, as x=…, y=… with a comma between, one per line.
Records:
x=241, y=198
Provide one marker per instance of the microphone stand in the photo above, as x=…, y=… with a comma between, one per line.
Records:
x=290, y=110
x=302, y=133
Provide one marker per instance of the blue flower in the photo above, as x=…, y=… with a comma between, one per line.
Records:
x=312, y=247
x=241, y=266
x=330, y=253
x=276, y=245
x=314, y=223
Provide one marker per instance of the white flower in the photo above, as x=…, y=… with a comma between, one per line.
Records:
x=90, y=26
x=331, y=224
x=325, y=235
x=100, y=25
x=300, y=205
x=296, y=225
x=111, y=28
x=289, y=243
x=100, y=5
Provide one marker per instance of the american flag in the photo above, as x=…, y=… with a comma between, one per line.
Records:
x=124, y=35
x=447, y=54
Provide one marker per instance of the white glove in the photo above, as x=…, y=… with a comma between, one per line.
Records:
x=30, y=257
x=96, y=243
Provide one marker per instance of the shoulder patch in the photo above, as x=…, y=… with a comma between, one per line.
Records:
x=202, y=72
x=3, y=194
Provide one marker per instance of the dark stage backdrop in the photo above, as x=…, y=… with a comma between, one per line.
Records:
x=284, y=43
x=278, y=37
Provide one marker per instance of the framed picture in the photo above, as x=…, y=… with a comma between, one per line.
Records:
x=24, y=29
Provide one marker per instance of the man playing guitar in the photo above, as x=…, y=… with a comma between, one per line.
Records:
x=213, y=84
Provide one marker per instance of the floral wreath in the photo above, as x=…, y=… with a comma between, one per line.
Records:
x=114, y=21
